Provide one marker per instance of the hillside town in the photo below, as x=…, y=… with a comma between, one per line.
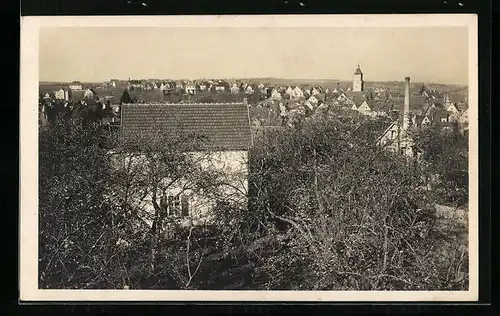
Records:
x=269, y=105
x=241, y=184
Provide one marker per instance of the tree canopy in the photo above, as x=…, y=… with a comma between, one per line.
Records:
x=327, y=210
x=125, y=98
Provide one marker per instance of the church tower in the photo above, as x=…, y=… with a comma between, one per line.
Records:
x=357, y=82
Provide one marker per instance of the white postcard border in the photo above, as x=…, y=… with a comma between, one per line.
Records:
x=28, y=274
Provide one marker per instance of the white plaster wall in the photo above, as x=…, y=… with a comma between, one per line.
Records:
x=357, y=83
x=60, y=94
x=233, y=165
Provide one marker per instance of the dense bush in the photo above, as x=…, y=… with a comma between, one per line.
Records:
x=445, y=157
x=76, y=231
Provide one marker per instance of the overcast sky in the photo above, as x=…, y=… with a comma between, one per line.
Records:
x=438, y=55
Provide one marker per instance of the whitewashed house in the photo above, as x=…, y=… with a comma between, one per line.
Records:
x=203, y=86
x=452, y=109
x=463, y=121
x=221, y=86
x=464, y=116
x=309, y=105
x=423, y=121
x=235, y=89
x=61, y=94
x=249, y=89
x=297, y=93
x=89, y=93
x=275, y=94
x=226, y=130
x=345, y=101
x=364, y=108
x=313, y=100
x=190, y=88
x=283, y=109
x=75, y=85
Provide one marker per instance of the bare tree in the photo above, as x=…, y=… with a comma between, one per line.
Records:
x=342, y=213
x=149, y=165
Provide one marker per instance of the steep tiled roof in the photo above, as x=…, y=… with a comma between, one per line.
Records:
x=358, y=102
x=320, y=96
x=372, y=129
x=438, y=104
x=225, y=126
x=357, y=96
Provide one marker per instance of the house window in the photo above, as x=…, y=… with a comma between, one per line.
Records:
x=176, y=205
x=393, y=134
x=403, y=150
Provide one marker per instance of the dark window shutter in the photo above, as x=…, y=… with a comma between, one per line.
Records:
x=163, y=204
x=169, y=205
x=184, y=205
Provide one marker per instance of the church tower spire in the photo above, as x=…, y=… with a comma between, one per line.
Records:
x=357, y=82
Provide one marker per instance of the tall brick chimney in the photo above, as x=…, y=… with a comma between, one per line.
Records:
x=406, y=109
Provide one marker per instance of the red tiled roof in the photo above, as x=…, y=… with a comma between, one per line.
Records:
x=225, y=126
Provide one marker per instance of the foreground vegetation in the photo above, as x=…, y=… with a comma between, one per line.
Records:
x=327, y=211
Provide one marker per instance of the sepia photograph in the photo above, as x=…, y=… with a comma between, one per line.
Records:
x=312, y=158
